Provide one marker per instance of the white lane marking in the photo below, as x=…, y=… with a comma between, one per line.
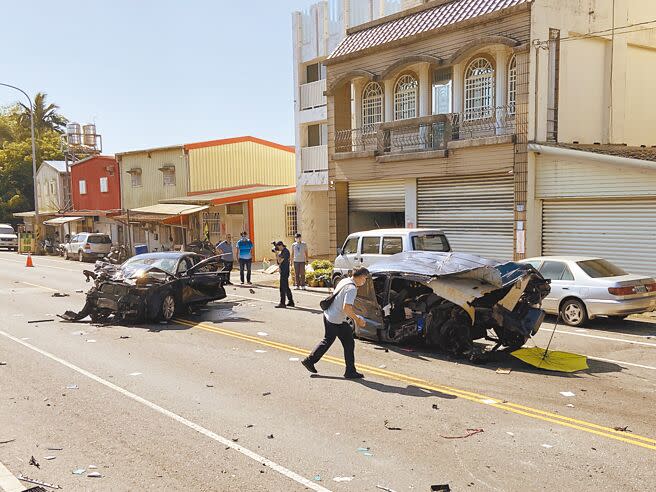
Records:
x=42, y=266
x=621, y=362
x=8, y=481
x=606, y=338
x=202, y=430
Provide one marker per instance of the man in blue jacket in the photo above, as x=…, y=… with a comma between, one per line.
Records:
x=245, y=247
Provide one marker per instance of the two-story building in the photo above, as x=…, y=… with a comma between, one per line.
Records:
x=431, y=111
x=209, y=189
x=96, y=194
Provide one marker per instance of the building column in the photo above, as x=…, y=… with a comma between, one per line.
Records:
x=389, y=100
x=533, y=223
x=358, y=86
x=501, y=72
x=424, y=90
x=458, y=88
x=411, y=203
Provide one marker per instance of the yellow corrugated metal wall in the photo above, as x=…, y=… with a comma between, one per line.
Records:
x=240, y=164
x=152, y=188
x=270, y=223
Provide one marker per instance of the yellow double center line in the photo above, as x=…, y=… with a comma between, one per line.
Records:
x=589, y=427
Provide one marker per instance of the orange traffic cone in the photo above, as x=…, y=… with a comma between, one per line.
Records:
x=29, y=261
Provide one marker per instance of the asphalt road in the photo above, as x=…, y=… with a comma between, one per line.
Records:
x=220, y=402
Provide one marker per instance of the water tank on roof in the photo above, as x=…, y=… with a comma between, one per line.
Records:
x=73, y=134
x=89, y=135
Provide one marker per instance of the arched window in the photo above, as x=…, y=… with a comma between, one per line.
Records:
x=372, y=107
x=479, y=89
x=512, y=85
x=405, y=98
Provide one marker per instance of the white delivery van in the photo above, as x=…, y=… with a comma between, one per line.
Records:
x=363, y=249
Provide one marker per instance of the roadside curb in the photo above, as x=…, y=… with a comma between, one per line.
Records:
x=8, y=482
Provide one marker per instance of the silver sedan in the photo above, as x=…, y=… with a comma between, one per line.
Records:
x=583, y=288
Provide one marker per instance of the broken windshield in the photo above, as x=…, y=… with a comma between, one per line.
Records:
x=139, y=263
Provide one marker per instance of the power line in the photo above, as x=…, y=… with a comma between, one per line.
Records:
x=604, y=32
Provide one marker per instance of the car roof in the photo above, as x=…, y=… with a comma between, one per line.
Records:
x=92, y=233
x=172, y=255
x=564, y=258
x=399, y=230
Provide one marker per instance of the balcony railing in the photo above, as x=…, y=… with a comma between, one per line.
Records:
x=312, y=94
x=427, y=133
x=314, y=159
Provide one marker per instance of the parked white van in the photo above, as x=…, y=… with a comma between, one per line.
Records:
x=8, y=238
x=363, y=249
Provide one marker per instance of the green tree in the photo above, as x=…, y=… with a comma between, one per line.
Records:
x=46, y=115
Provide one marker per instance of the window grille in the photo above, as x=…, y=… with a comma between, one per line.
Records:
x=372, y=107
x=512, y=86
x=104, y=185
x=405, y=98
x=83, y=187
x=213, y=222
x=291, y=220
x=169, y=178
x=136, y=180
x=479, y=89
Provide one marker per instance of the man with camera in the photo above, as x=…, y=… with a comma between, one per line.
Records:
x=282, y=257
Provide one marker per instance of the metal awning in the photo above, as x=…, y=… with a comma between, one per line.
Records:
x=62, y=220
x=163, y=212
x=228, y=196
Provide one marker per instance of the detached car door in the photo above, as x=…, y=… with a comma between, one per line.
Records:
x=204, y=282
x=366, y=305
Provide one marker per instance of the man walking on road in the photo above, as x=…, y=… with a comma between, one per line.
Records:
x=300, y=259
x=245, y=247
x=335, y=323
x=282, y=257
x=225, y=248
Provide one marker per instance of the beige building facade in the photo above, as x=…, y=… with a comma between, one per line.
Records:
x=435, y=115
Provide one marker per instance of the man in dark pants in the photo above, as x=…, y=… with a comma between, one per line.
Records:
x=225, y=248
x=283, y=256
x=335, y=322
x=245, y=247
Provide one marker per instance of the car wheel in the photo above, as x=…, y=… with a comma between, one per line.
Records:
x=80, y=256
x=573, y=312
x=167, y=307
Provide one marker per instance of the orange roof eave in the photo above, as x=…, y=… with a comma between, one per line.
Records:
x=252, y=196
x=227, y=141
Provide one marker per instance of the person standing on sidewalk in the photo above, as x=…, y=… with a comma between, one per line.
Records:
x=225, y=248
x=300, y=259
x=335, y=320
x=282, y=257
x=245, y=247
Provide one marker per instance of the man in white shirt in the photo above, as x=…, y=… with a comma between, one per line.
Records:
x=335, y=320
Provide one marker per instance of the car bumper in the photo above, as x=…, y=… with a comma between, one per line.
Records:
x=625, y=307
x=8, y=244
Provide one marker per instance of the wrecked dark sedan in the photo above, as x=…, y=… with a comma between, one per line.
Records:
x=152, y=287
x=449, y=300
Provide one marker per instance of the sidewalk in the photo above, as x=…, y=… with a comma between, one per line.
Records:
x=271, y=280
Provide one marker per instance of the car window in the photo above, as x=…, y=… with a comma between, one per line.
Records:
x=392, y=245
x=6, y=230
x=100, y=240
x=351, y=246
x=75, y=239
x=567, y=274
x=534, y=263
x=600, y=268
x=371, y=245
x=184, y=265
x=555, y=270
x=430, y=242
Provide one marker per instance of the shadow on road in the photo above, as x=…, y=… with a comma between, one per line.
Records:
x=409, y=390
x=644, y=327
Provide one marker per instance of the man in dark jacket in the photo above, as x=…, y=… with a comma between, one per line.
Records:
x=283, y=256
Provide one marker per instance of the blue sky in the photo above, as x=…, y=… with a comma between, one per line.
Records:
x=152, y=73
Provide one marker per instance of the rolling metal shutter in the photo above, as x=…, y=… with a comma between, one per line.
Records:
x=476, y=213
x=376, y=196
x=622, y=231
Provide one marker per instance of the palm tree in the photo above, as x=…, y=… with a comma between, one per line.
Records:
x=46, y=116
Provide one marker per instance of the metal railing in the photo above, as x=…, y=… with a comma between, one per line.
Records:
x=314, y=159
x=312, y=94
x=428, y=133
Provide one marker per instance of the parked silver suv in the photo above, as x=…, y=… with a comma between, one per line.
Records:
x=8, y=238
x=87, y=246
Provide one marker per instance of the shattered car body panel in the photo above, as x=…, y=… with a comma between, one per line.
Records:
x=152, y=287
x=451, y=299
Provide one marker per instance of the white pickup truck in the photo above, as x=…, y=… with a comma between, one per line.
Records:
x=8, y=238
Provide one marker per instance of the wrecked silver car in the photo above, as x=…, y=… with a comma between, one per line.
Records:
x=152, y=287
x=449, y=300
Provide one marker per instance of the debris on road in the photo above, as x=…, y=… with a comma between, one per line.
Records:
x=2, y=363
x=266, y=393
x=441, y=488
x=49, y=458
x=470, y=432
x=136, y=373
x=547, y=446
x=123, y=337
x=262, y=334
x=79, y=471
x=209, y=385
x=504, y=370
x=317, y=478
x=40, y=320
x=435, y=407
x=294, y=359
x=386, y=489
x=251, y=291
x=382, y=366
x=567, y=393
x=94, y=475
x=270, y=436
x=23, y=478
x=34, y=462
x=510, y=434
x=259, y=351
x=249, y=426
x=342, y=479
x=72, y=387
x=60, y=294
x=390, y=428
x=55, y=449
x=622, y=429
x=79, y=291
x=7, y=441
x=569, y=405
x=93, y=467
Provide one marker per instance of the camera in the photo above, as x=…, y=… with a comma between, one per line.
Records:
x=275, y=248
